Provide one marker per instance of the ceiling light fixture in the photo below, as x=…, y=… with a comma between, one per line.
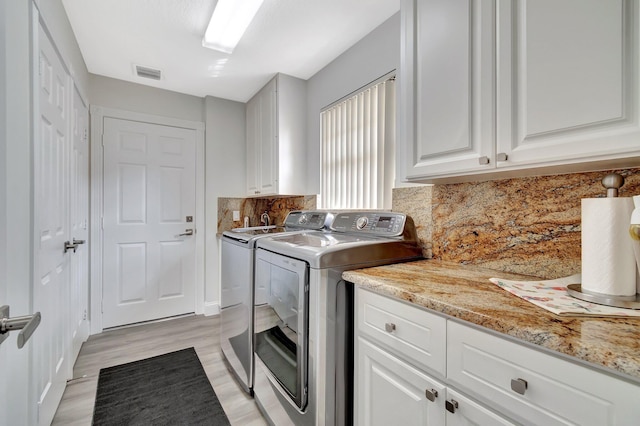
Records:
x=228, y=23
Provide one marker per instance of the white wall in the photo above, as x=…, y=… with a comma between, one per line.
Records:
x=225, y=149
x=111, y=93
x=372, y=57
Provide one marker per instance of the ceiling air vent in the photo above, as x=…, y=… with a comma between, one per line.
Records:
x=146, y=72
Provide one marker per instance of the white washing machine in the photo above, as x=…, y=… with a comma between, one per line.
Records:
x=304, y=334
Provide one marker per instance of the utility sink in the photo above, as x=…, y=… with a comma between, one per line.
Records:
x=253, y=228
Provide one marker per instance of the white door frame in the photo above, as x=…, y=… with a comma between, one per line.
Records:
x=18, y=404
x=98, y=114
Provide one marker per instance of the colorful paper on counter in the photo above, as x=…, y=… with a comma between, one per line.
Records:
x=552, y=295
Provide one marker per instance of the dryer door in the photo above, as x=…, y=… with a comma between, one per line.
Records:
x=281, y=326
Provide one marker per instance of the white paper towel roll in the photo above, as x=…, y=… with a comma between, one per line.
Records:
x=608, y=262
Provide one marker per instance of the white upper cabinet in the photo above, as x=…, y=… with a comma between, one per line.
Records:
x=492, y=86
x=276, y=138
x=568, y=80
x=447, y=85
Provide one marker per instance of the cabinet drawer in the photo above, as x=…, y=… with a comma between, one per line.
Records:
x=552, y=391
x=414, y=334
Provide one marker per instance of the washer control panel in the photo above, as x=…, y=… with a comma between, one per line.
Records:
x=376, y=223
x=308, y=219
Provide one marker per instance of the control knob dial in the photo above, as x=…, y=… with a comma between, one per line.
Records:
x=362, y=222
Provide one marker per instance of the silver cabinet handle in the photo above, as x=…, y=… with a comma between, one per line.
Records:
x=186, y=232
x=483, y=160
x=70, y=246
x=390, y=327
x=78, y=242
x=451, y=405
x=519, y=386
x=26, y=324
x=502, y=156
x=431, y=394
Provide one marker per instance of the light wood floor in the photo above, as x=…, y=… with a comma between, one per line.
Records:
x=138, y=342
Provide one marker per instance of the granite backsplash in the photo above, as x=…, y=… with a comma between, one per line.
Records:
x=276, y=207
x=523, y=225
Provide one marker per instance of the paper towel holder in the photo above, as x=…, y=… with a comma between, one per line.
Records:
x=612, y=182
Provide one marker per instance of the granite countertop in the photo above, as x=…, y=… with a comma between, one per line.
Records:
x=465, y=292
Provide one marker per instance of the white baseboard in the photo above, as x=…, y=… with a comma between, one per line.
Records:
x=211, y=308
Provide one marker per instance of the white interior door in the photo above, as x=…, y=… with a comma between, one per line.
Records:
x=51, y=215
x=79, y=222
x=149, y=200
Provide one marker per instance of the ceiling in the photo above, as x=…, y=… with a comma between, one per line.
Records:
x=295, y=37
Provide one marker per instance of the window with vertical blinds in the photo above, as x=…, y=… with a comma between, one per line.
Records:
x=358, y=149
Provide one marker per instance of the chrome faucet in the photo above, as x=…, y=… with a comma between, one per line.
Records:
x=264, y=218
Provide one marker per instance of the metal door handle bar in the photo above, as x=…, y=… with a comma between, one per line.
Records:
x=77, y=242
x=27, y=324
x=70, y=246
x=186, y=232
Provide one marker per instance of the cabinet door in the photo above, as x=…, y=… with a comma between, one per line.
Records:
x=448, y=55
x=568, y=81
x=462, y=411
x=392, y=392
x=268, y=178
x=253, y=145
x=262, y=142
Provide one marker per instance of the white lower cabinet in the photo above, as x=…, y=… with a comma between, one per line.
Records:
x=533, y=387
x=400, y=350
x=393, y=392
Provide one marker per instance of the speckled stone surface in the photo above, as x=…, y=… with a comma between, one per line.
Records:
x=416, y=203
x=276, y=207
x=528, y=225
x=464, y=292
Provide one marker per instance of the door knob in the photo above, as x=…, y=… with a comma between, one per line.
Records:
x=77, y=242
x=186, y=232
x=26, y=324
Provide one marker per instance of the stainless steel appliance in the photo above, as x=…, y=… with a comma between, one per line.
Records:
x=304, y=334
x=239, y=294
